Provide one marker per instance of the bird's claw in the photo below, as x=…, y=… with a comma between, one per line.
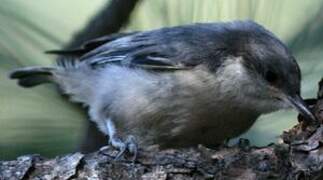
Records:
x=129, y=145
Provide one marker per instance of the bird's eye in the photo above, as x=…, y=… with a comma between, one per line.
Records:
x=271, y=77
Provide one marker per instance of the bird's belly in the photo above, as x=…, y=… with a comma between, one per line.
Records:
x=208, y=129
x=177, y=110
x=210, y=133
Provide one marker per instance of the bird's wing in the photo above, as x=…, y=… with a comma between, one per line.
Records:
x=170, y=49
x=90, y=45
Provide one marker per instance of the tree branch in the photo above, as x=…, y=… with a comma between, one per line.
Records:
x=110, y=20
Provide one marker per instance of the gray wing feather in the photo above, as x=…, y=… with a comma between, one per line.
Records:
x=181, y=47
x=150, y=50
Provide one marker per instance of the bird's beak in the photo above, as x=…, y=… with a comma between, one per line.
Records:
x=298, y=103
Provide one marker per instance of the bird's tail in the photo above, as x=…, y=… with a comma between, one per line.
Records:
x=73, y=77
x=33, y=76
x=36, y=75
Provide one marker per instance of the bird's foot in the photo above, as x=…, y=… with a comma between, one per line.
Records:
x=128, y=145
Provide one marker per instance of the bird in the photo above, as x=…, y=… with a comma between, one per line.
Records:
x=179, y=86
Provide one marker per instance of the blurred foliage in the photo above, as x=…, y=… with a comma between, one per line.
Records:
x=38, y=120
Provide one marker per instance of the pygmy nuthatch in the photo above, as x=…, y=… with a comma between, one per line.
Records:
x=178, y=86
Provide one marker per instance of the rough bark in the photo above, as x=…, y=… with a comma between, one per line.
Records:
x=298, y=156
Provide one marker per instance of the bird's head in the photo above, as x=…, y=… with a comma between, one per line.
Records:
x=272, y=68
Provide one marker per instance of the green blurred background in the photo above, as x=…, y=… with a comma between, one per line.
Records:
x=39, y=120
